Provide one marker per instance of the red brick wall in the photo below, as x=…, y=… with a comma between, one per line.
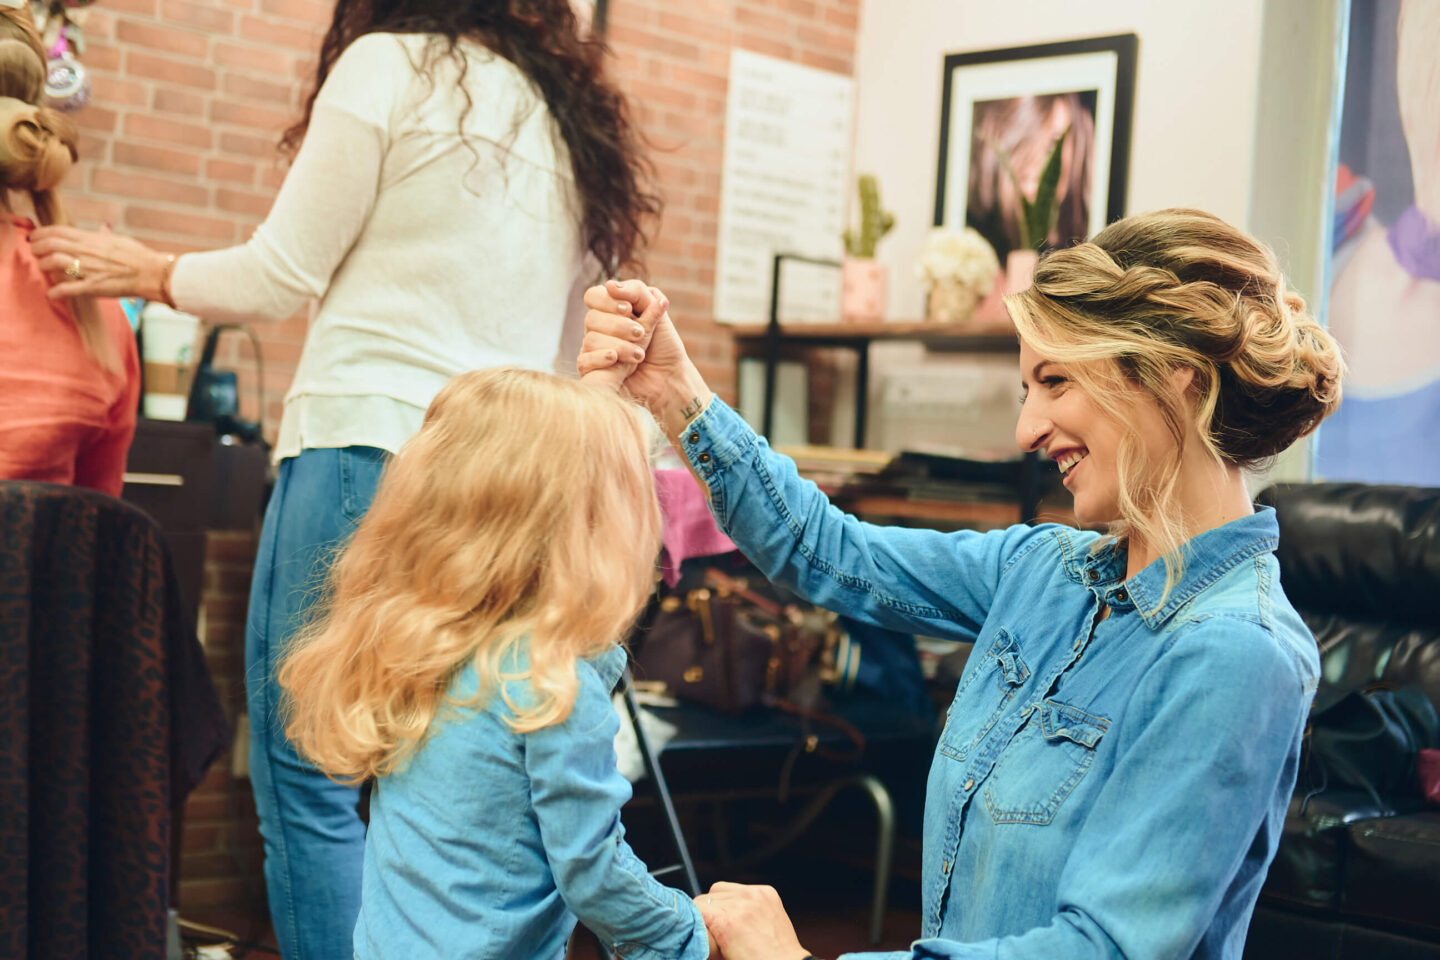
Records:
x=220, y=863
x=673, y=59
x=190, y=97
x=178, y=145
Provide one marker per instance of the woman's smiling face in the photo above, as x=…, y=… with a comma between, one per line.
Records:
x=1059, y=418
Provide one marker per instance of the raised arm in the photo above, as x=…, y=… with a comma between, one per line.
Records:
x=900, y=578
x=323, y=205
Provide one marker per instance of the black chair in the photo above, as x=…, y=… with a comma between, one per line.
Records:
x=1358, y=875
x=108, y=719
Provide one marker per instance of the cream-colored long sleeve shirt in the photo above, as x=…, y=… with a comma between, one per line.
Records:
x=429, y=254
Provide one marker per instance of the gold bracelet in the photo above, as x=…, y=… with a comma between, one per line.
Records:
x=165, y=295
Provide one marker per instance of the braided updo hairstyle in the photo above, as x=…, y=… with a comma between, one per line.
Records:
x=1182, y=289
x=37, y=149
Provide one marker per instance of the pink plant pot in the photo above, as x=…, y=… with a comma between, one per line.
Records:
x=864, y=291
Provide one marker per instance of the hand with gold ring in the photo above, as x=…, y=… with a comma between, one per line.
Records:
x=87, y=263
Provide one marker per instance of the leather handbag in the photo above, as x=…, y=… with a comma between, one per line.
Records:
x=730, y=647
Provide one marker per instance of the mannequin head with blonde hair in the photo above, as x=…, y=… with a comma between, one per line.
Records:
x=521, y=519
x=38, y=146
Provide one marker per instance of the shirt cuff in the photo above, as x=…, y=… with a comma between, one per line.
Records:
x=715, y=440
x=697, y=948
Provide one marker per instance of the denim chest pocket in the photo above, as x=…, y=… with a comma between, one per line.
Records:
x=980, y=702
x=1042, y=765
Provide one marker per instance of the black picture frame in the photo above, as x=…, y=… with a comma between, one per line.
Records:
x=1125, y=48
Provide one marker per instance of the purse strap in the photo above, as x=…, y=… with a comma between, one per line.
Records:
x=724, y=583
x=810, y=743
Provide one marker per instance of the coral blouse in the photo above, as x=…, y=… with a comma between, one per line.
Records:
x=63, y=418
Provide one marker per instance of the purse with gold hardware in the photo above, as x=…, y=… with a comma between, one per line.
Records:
x=732, y=648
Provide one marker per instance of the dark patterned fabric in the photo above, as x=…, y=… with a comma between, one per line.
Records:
x=107, y=718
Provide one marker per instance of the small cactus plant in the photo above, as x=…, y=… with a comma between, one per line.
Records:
x=874, y=222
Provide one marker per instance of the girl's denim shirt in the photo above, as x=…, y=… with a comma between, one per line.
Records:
x=489, y=843
x=1103, y=787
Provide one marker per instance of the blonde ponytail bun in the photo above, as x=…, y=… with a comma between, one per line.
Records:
x=37, y=147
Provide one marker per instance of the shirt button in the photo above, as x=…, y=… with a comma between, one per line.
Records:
x=694, y=438
x=945, y=867
x=969, y=783
x=1121, y=596
x=1094, y=574
x=704, y=458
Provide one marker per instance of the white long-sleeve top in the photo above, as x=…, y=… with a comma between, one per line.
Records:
x=430, y=254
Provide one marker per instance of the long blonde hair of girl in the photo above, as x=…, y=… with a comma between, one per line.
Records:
x=37, y=148
x=522, y=517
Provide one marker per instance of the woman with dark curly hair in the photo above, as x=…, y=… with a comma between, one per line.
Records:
x=451, y=148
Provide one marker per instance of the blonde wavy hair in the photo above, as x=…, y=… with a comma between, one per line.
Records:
x=1178, y=290
x=38, y=146
x=521, y=516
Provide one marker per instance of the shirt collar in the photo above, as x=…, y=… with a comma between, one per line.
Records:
x=1207, y=557
x=610, y=665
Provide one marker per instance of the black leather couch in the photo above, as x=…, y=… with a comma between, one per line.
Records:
x=1354, y=878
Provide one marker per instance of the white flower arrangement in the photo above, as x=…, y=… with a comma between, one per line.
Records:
x=964, y=257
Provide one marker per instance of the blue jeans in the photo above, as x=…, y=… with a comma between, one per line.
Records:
x=314, y=839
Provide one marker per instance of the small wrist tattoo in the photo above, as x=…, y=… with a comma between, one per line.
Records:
x=691, y=410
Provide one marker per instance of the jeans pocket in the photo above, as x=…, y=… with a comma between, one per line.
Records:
x=1042, y=765
x=360, y=470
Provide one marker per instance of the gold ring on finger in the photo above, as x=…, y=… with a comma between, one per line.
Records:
x=73, y=271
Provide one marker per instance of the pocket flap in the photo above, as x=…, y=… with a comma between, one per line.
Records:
x=1060, y=721
x=1007, y=655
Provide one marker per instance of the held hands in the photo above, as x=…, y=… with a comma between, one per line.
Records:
x=631, y=345
x=748, y=922
x=84, y=263
x=620, y=323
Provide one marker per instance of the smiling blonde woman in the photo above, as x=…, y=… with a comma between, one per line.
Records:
x=1114, y=772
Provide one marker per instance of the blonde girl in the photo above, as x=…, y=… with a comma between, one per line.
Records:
x=464, y=658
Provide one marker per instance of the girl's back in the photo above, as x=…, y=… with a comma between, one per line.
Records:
x=485, y=567
x=489, y=842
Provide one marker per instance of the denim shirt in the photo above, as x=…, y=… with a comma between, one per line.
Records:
x=488, y=843
x=1103, y=787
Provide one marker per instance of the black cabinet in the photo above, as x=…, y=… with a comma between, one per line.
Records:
x=170, y=475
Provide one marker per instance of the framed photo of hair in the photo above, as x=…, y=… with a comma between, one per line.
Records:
x=1002, y=115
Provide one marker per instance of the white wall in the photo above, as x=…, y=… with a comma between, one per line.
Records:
x=1292, y=183
x=1232, y=100
x=1195, y=98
